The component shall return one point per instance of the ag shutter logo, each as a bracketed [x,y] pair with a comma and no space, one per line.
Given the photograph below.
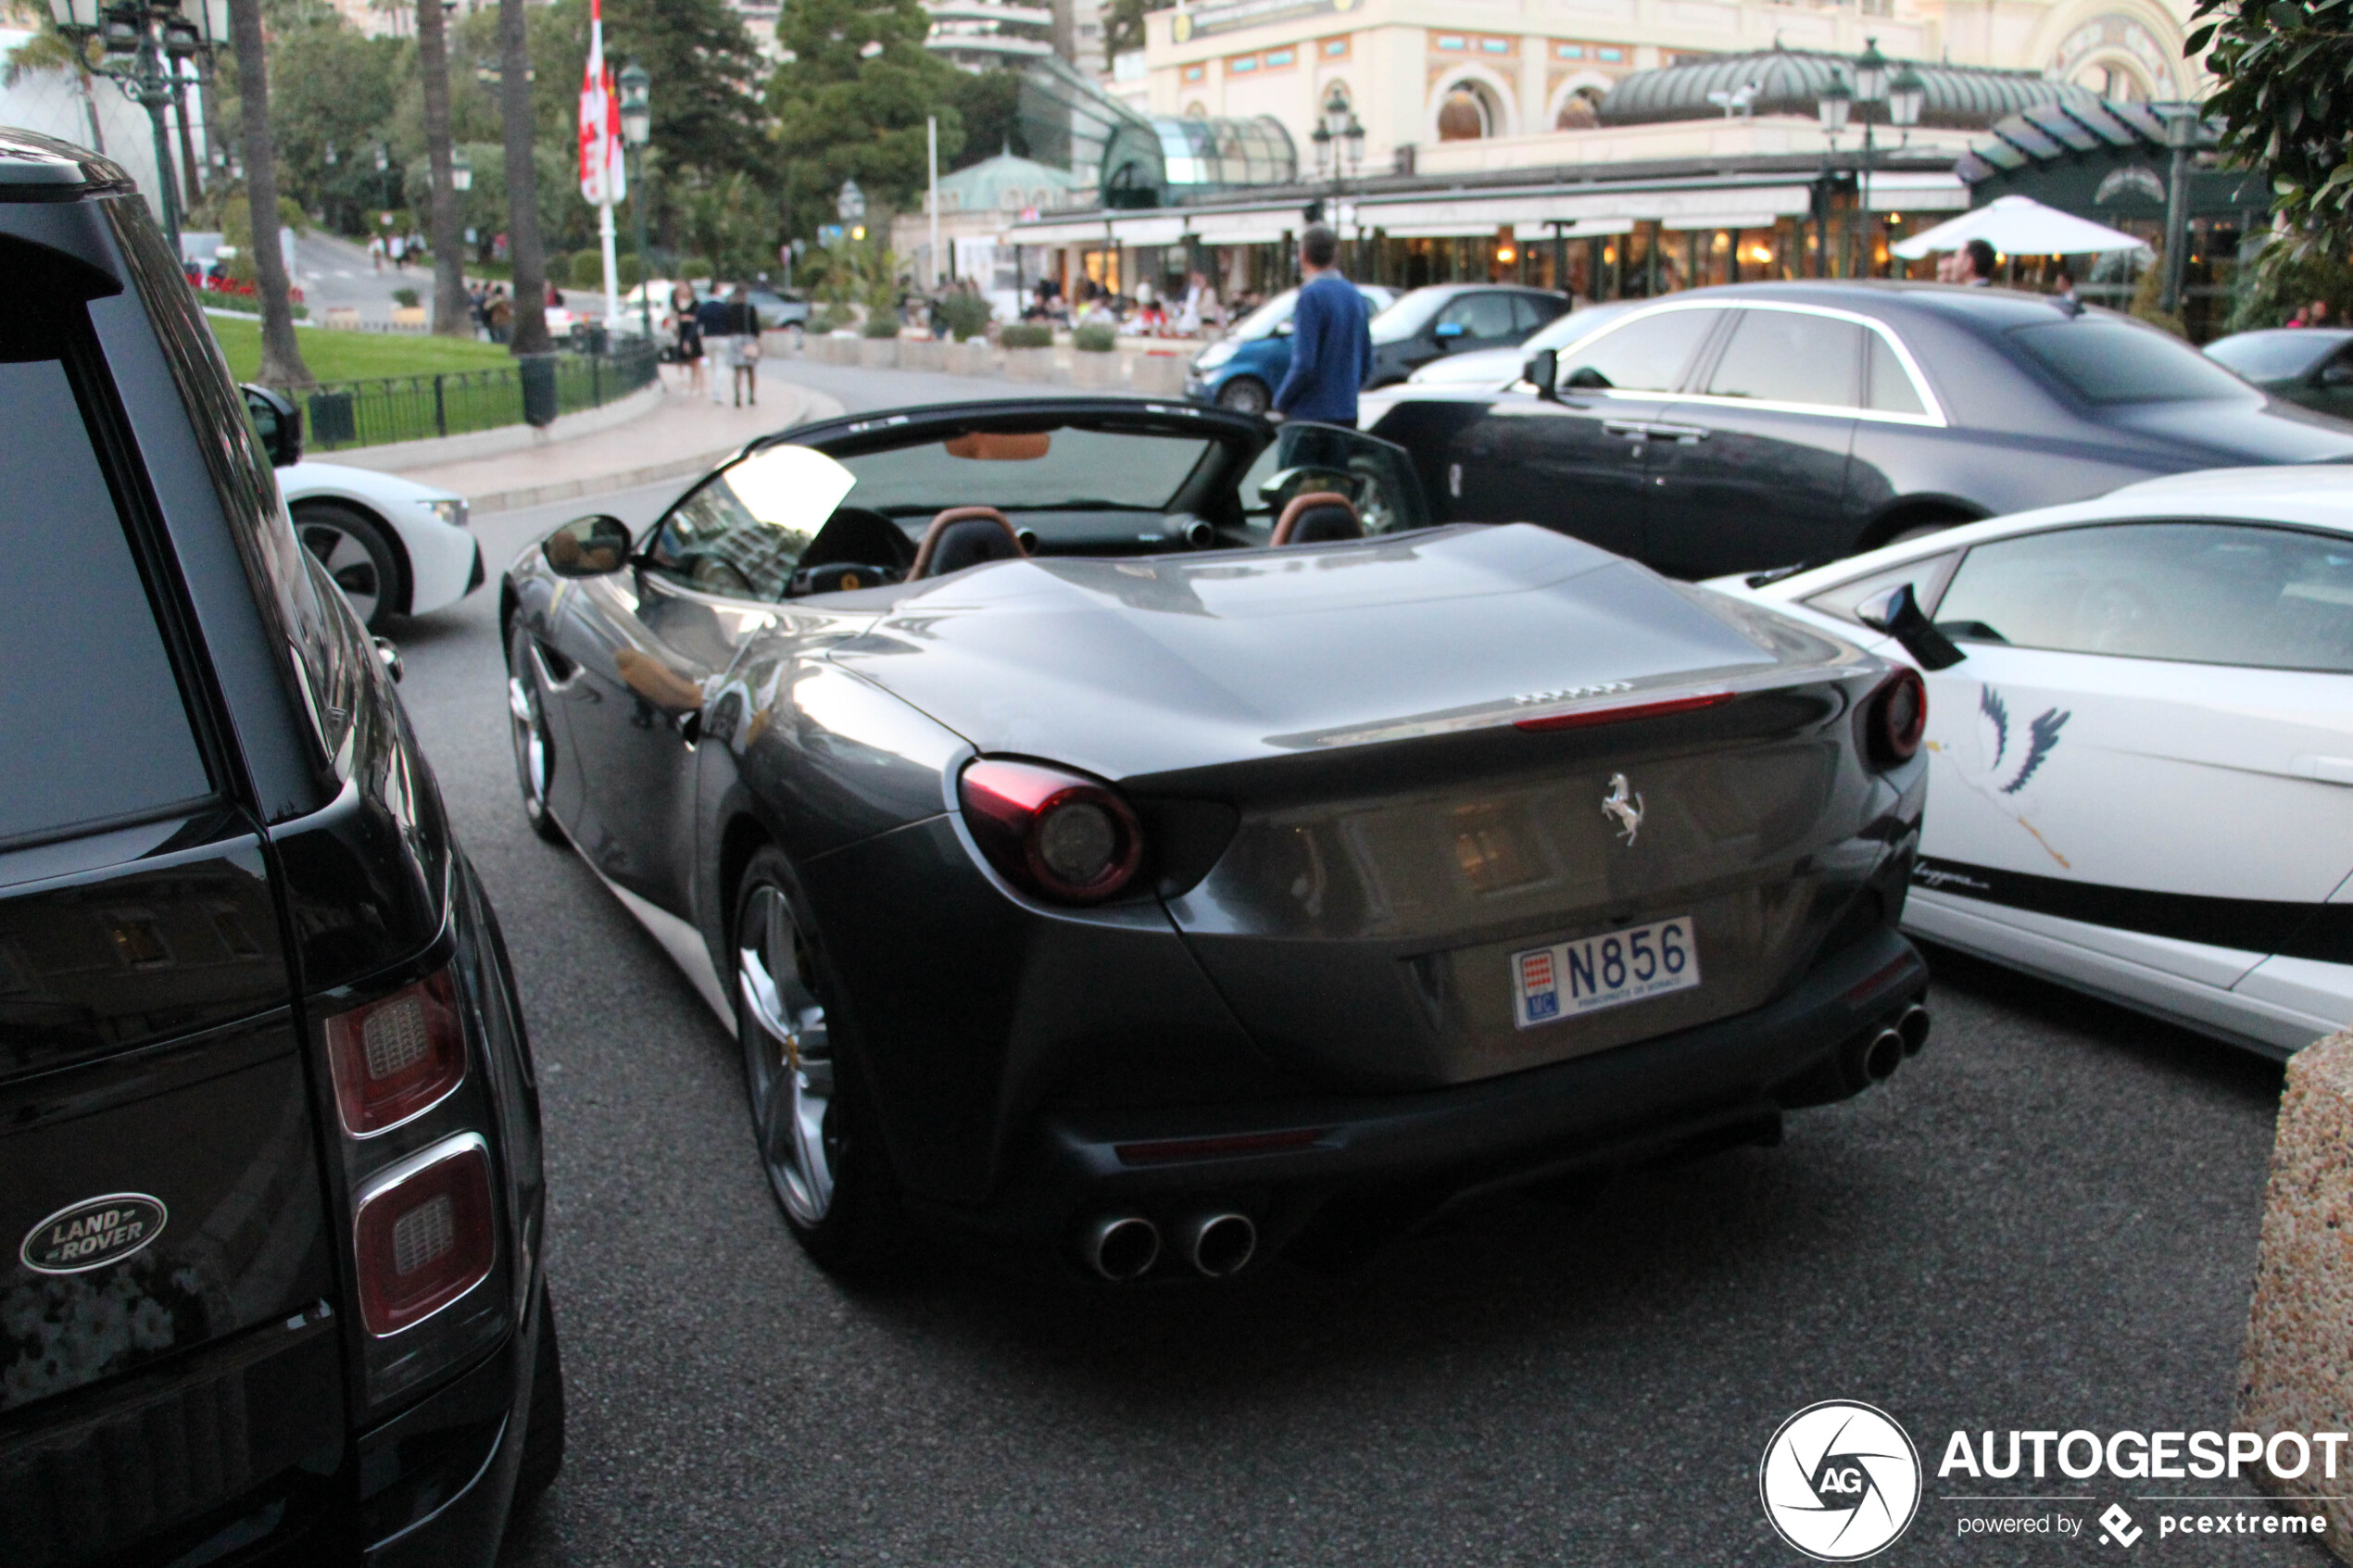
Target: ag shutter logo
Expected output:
[1840,1481]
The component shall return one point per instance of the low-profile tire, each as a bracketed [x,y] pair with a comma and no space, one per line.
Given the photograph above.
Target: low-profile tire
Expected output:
[1245,395]
[812,1124]
[534,741]
[543,1441]
[353,548]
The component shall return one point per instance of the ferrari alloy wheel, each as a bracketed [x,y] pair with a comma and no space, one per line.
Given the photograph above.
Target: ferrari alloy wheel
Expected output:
[822,1159]
[357,555]
[788,1061]
[535,749]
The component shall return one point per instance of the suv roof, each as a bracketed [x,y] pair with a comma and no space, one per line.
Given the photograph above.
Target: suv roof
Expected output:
[38,168]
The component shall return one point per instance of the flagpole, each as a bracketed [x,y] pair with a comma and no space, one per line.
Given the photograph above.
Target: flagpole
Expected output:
[603,181]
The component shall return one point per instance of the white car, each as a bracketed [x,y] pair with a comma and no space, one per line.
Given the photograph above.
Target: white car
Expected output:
[2141,777]
[393,545]
[1495,368]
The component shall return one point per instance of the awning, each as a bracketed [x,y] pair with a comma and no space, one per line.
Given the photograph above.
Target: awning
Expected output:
[1158,230]
[1583,229]
[1087,232]
[1247,228]
[1919,193]
[1688,207]
[1706,222]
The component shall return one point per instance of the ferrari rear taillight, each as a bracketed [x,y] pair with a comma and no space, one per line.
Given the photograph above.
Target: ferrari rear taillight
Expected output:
[426,1233]
[1060,834]
[1895,718]
[398,1055]
[1624,713]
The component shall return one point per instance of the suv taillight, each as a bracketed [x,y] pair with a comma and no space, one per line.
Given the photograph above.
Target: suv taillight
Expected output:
[1895,718]
[1060,834]
[397,1057]
[426,1233]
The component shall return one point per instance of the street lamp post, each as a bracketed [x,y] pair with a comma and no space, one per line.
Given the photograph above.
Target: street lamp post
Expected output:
[2181,141]
[1339,138]
[1870,87]
[146,43]
[636,130]
[1836,102]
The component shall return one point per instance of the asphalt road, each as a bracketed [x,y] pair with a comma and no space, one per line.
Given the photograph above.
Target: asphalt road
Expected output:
[2046,1221]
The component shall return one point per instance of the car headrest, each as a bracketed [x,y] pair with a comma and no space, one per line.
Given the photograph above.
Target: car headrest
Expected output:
[1317,518]
[963,536]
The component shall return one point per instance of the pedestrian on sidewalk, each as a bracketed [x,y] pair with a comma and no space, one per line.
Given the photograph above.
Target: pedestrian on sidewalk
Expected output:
[1332,342]
[711,317]
[376,250]
[743,346]
[689,329]
[500,315]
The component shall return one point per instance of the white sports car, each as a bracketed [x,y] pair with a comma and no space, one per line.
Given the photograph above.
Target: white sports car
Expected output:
[393,545]
[2141,737]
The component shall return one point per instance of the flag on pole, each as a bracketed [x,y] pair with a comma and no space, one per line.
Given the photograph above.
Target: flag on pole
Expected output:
[603,179]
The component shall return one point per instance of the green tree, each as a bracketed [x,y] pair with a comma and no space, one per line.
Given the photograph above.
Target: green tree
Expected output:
[332,95]
[850,101]
[281,355]
[989,104]
[2285,101]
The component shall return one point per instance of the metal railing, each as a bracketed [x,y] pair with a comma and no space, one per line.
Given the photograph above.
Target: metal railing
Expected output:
[534,390]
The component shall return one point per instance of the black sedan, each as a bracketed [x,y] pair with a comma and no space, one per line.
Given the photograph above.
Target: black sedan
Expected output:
[1729,428]
[2308,364]
[1430,323]
[1108,825]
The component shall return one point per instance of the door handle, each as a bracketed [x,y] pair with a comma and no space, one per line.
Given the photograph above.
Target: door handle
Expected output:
[1634,428]
[1678,432]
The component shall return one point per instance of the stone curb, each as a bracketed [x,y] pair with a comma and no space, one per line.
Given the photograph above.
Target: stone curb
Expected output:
[2295,1372]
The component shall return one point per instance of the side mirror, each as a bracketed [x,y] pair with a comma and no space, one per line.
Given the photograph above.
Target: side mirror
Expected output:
[1280,329]
[277,421]
[2336,373]
[1542,368]
[1898,614]
[1586,379]
[588,546]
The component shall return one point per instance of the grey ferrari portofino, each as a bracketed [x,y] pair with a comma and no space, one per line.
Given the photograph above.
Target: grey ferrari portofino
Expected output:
[1128,827]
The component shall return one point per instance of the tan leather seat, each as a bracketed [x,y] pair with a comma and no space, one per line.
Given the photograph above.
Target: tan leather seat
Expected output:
[963,536]
[1319,517]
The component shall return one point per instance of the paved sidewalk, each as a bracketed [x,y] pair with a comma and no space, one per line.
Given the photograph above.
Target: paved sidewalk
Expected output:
[683,435]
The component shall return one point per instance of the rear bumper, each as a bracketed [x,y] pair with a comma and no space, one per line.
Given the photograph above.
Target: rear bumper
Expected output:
[1727,1080]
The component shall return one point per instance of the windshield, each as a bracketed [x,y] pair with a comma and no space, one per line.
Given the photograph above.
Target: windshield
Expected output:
[1266,318]
[1063,469]
[2275,355]
[2111,361]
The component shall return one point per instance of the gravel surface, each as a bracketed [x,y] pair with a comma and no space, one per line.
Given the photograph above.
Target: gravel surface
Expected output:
[2046,1221]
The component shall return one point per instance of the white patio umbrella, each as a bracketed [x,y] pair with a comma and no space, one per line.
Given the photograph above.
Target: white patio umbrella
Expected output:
[2019,226]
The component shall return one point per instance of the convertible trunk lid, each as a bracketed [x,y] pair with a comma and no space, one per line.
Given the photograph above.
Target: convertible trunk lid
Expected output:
[1157,664]
[1415,742]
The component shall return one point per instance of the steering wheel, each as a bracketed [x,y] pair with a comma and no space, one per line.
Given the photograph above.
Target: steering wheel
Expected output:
[838,577]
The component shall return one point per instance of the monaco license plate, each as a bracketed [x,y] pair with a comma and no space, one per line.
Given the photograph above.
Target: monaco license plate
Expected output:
[1593,973]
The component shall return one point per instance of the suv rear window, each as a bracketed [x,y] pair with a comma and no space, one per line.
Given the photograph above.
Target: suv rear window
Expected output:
[92,724]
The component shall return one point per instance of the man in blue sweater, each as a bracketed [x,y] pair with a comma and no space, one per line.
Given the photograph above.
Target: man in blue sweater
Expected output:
[1331,348]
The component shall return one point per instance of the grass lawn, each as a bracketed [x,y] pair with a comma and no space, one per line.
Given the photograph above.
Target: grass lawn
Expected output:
[340,355]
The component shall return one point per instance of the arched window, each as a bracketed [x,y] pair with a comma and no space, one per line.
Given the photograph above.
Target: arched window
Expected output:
[1009,199]
[1464,115]
[1580,112]
[1196,110]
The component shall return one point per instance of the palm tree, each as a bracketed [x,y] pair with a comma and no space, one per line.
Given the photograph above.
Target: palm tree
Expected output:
[49,51]
[280,356]
[522,182]
[450,315]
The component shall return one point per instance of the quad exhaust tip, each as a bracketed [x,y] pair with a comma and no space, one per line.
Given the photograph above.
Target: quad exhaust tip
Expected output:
[1883,1056]
[1121,1247]
[1220,1244]
[1913,1025]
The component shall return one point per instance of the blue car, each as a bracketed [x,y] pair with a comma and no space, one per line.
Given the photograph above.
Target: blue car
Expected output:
[1243,369]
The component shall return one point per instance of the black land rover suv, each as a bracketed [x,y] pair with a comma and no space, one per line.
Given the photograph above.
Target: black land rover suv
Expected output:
[269,1160]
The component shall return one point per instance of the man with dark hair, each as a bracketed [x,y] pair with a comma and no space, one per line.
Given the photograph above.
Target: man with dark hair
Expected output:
[1331,348]
[1980,274]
